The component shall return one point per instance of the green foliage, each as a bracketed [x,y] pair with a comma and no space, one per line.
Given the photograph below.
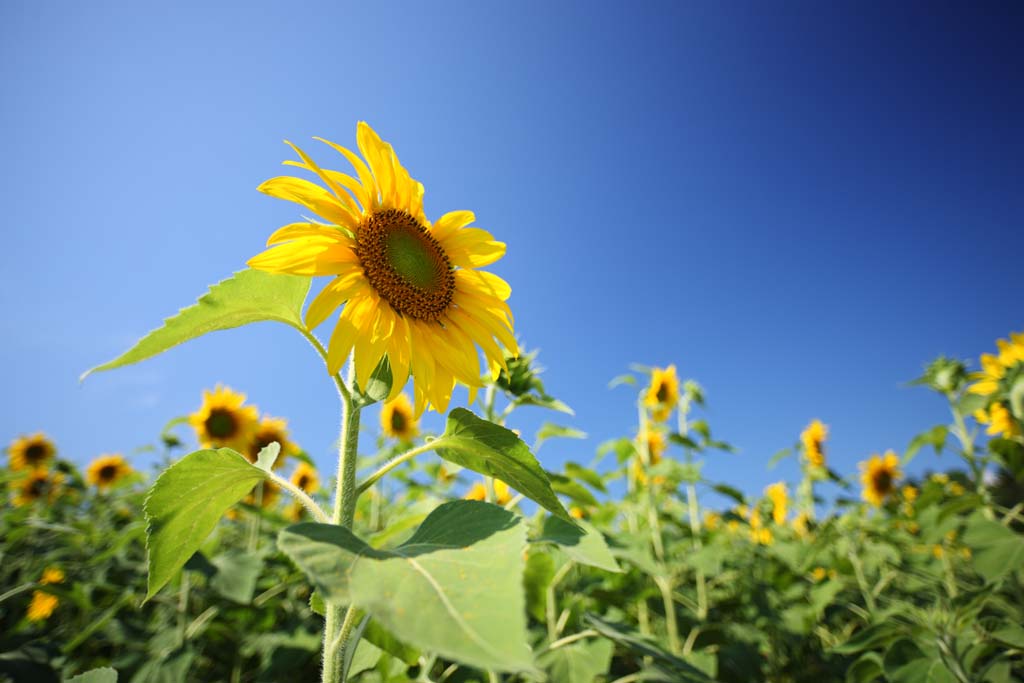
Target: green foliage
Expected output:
[185,504]
[455,587]
[497,452]
[248,296]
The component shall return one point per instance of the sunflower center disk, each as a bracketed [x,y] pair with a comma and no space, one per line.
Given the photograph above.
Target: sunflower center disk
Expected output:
[221,424]
[405,264]
[35,453]
[107,472]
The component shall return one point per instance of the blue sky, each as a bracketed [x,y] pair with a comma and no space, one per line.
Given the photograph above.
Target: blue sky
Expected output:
[799,205]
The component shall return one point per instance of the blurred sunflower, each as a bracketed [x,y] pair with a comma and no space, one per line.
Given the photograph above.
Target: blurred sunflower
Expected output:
[41,606]
[995,368]
[662,394]
[999,420]
[410,288]
[223,420]
[502,493]
[37,485]
[107,470]
[31,452]
[879,475]
[271,492]
[656,445]
[306,478]
[398,420]
[801,524]
[268,431]
[779,496]
[813,440]
[52,575]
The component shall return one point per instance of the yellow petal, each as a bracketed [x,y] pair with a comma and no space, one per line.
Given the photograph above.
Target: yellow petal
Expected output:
[310,256]
[296,230]
[345,333]
[342,179]
[373,150]
[312,196]
[450,222]
[338,291]
[484,282]
[476,255]
[341,194]
[362,170]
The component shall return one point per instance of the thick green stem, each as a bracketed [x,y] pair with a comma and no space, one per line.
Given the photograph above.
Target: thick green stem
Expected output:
[335,632]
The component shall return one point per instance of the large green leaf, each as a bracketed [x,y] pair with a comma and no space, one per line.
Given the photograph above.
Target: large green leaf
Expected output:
[497,452]
[996,550]
[248,296]
[102,675]
[642,646]
[454,588]
[185,503]
[582,543]
[580,662]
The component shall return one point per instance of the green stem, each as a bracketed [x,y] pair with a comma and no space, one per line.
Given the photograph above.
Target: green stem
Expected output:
[255,521]
[183,606]
[301,496]
[395,462]
[335,633]
[552,619]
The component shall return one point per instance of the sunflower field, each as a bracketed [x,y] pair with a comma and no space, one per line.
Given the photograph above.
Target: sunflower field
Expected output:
[463,555]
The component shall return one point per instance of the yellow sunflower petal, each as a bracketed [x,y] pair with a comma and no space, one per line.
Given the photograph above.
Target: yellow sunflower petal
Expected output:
[483,282]
[450,222]
[338,291]
[309,256]
[312,196]
[363,171]
[342,195]
[294,231]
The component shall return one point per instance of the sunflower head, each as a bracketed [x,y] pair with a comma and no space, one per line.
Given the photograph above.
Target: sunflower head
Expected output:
[502,493]
[306,478]
[41,606]
[37,485]
[52,575]
[107,470]
[801,524]
[1000,371]
[909,493]
[398,420]
[224,421]
[408,288]
[476,492]
[813,440]
[778,494]
[712,520]
[31,452]
[656,445]
[879,475]
[662,393]
[268,431]
[999,420]
[268,497]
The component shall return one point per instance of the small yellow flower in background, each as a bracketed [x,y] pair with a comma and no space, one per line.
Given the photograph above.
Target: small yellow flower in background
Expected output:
[956,489]
[938,551]
[577,512]
[37,485]
[913,527]
[224,421]
[994,367]
[41,606]
[502,493]
[712,520]
[999,419]
[879,475]
[800,524]
[779,496]
[52,575]
[410,289]
[733,525]
[31,452]
[965,553]
[907,509]
[940,478]
[813,440]
[662,394]
[951,535]
[295,512]
[268,431]
[909,493]
[107,470]
[762,536]
[398,420]
[271,492]
[819,574]
[306,478]
[656,445]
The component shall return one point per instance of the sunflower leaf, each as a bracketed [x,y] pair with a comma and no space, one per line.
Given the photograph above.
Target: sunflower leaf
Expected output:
[248,296]
[497,452]
[185,504]
[268,456]
[455,587]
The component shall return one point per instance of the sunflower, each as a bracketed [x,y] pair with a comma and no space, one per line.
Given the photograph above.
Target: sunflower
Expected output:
[801,524]
[656,445]
[879,475]
[397,419]
[269,430]
[38,484]
[999,370]
[223,420]
[910,493]
[306,478]
[502,493]
[999,420]
[31,452]
[813,440]
[779,496]
[271,492]
[51,575]
[410,288]
[712,520]
[41,606]
[107,470]
[662,394]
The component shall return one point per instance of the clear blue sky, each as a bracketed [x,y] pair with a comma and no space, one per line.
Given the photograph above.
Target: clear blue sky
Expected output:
[798,204]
